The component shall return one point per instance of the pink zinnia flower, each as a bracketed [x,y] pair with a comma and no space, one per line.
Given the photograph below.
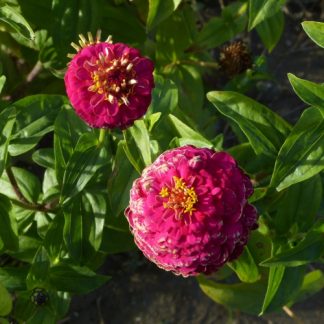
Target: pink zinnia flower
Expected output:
[109,85]
[189,212]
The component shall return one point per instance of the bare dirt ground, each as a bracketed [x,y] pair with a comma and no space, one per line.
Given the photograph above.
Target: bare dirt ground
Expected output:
[141,293]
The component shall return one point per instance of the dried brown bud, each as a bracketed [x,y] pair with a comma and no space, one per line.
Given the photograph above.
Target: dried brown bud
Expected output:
[235,58]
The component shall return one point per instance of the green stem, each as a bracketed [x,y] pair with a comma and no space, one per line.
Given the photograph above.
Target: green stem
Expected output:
[102,135]
[204,64]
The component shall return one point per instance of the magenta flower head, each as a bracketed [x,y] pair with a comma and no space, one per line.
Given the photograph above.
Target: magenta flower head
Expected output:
[189,212]
[109,85]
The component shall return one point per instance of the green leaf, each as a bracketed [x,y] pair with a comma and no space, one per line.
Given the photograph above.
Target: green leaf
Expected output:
[94,209]
[53,241]
[44,157]
[117,240]
[159,10]
[245,267]
[2,82]
[35,118]
[28,247]
[8,228]
[38,273]
[14,278]
[309,92]
[275,277]
[313,283]
[288,289]
[315,30]
[7,120]
[242,296]
[307,251]
[141,137]
[85,160]
[164,96]
[120,181]
[74,279]
[301,156]
[27,182]
[219,30]
[6,301]
[71,18]
[299,206]
[125,23]
[16,21]
[260,10]
[187,133]
[68,128]
[270,30]
[172,39]
[264,129]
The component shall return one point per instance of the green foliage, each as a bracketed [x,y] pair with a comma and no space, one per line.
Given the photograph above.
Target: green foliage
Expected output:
[64,186]
[314,30]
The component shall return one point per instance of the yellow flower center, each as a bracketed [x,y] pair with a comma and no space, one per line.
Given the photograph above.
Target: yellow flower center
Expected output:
[181,198]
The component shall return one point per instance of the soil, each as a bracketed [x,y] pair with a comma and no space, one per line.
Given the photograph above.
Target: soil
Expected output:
[141,293]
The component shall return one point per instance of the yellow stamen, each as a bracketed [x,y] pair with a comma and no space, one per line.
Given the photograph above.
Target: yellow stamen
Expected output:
[181,198]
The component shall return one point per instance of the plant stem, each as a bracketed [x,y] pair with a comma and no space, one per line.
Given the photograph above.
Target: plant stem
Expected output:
[102,136]
[292,315]
[33,73]
[205,64]
[22,201]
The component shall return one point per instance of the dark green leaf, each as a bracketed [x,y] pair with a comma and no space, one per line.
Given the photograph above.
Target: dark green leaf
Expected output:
[7,120]
[6,301]
[85,160]
[14,278]
[313,283]
[159,10]
[28,184]
[299,205]
[265,130]
[35,118]
[308,250]
[117,240]
[16,21]
[301,156]
[53,241]
[94,209]
[70,18]
[172,39]
[315,30]
[164,96]
[289,288]
[38,273]
[270,30]
[120,182]
[219,30]
[74,279]
[259,10]
[67,130]
[8,228]
[309,92]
